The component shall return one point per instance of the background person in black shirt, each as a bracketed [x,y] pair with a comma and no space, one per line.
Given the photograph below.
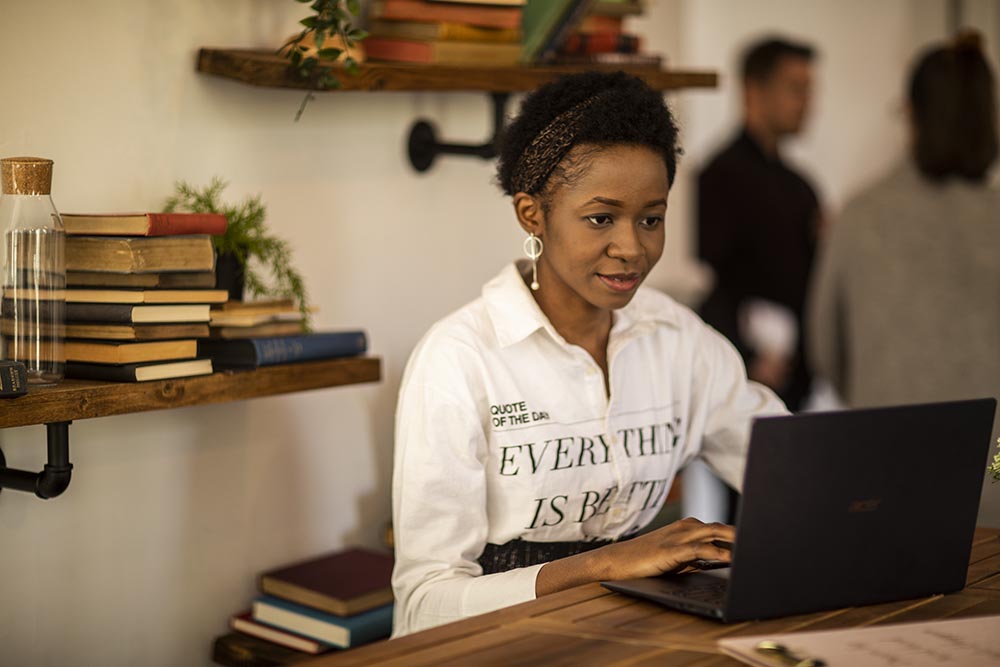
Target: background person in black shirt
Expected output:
[758,220]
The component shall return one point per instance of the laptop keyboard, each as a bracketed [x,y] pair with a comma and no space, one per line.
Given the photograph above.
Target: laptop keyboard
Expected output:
[713,593]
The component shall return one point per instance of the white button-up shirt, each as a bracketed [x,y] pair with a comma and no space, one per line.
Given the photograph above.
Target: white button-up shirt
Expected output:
[504,430]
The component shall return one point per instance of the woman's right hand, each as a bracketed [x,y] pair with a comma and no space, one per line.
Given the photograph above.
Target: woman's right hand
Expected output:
[666,549]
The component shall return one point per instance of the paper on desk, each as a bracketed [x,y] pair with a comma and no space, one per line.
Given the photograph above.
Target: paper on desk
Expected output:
[968,642]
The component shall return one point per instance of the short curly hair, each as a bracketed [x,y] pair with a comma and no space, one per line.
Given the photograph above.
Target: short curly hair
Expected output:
[609,108]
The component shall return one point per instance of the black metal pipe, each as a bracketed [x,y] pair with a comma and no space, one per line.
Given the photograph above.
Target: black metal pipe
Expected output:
[423,146]
[54,477]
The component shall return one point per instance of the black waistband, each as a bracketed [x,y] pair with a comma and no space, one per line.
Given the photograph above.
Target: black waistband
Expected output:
[521,553]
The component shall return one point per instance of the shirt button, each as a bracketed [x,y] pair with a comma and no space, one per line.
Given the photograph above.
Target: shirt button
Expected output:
[617,514]
[591,372]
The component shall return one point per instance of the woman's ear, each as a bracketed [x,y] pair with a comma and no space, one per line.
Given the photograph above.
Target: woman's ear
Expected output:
[529,213]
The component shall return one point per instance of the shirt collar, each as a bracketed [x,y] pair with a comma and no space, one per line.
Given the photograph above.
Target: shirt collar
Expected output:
[516,315]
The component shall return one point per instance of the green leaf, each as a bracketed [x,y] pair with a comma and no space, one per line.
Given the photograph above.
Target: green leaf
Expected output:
[353,6]
[320,37]
[357,34]
[309,21]
[330,54]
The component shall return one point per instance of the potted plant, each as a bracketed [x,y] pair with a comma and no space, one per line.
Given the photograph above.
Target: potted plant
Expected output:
[246,246]
[327,41]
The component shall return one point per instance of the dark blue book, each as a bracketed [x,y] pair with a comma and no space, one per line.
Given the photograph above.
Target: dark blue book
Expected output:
[256,352]
[343,631]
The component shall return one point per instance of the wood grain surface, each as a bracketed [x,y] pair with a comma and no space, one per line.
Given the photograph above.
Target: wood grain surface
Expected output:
[81,399]
[589,625]
[266,69]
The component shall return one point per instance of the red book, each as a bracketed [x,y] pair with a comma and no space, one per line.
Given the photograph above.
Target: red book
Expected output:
[143,224]
[583,44]
[344,583]
[442,52]
[247,625]
[434,12]
[598,23]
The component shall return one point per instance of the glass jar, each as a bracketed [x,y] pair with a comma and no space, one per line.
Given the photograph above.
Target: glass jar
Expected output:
[33,313]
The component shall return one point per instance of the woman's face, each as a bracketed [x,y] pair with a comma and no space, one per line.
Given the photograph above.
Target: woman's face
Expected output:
[603,231]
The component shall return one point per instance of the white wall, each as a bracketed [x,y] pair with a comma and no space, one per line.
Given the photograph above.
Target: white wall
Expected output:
[171,514]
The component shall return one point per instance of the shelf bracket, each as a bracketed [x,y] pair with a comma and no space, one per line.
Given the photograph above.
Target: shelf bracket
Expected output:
[423,146]
[54,478]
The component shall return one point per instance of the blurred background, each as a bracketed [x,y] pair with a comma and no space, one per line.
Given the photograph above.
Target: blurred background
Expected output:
[171,514]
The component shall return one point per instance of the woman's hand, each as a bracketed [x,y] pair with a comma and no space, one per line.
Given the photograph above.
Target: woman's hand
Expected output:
[669,549]
[666,549]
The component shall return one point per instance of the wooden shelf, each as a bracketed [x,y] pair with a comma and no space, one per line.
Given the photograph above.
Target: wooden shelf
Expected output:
[80,399]
[266,69]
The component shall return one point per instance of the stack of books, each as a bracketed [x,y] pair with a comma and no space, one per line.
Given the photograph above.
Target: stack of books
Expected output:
[601,39]
[139,290]
[337,600]
[457,32]
[256,319]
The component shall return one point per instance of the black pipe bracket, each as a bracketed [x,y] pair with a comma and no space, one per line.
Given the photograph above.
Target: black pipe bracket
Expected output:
[54,477]
[423,146]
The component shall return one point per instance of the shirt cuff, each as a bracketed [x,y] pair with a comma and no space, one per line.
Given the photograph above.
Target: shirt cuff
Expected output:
[503,589]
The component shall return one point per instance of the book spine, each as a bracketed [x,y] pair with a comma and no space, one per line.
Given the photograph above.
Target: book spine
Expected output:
[282,350]
[109,313]
[13,379]
[254,352]
[176,224]
[583,44]
[415,10]
[399,50]
[375,624]
[85,371]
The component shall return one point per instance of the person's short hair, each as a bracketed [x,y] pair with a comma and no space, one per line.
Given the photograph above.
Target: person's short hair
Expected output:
[597,109]
[953,102]
[761,59]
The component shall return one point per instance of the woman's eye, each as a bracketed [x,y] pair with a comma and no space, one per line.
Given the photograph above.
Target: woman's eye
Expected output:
[600,220]
[651,221]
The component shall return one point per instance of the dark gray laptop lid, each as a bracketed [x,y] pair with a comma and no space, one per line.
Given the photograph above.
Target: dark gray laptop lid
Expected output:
[857,507]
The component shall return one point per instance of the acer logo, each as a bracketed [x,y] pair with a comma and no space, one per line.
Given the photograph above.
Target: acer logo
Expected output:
[868,505]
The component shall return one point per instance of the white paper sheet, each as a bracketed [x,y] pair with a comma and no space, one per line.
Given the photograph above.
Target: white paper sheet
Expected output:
[968,642]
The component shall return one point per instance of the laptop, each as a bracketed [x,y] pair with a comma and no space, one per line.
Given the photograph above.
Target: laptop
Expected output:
[843,509]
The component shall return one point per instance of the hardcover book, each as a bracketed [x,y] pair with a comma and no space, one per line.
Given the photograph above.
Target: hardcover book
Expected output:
[125,313]
[244,623]
[138,372]
[422,10]
[344,582]
[442,52]
[102,331]
[139,254]
[143,224]
[547,24]
[187,280]
[265,330]
[342,631]
[255,352]
[91,295]
[129,353]
[236,649]
[460,32]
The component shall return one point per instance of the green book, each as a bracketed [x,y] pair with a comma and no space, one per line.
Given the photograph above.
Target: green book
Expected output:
[545,25]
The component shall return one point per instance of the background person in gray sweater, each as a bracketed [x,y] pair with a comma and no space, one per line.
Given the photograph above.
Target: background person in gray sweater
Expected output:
[905,303]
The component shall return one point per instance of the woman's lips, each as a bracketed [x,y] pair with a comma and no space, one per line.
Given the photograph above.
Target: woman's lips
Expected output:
[620,282]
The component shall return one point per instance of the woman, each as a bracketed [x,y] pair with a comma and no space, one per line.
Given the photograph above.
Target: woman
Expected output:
[906,299]
[545,421]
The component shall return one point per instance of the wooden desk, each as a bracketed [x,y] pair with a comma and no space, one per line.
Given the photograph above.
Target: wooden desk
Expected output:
[593,626]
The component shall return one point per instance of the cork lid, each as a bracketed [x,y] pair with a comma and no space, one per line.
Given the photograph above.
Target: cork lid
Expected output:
[26,175]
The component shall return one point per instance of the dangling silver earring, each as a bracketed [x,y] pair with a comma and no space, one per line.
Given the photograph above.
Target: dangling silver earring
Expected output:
[533,249]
